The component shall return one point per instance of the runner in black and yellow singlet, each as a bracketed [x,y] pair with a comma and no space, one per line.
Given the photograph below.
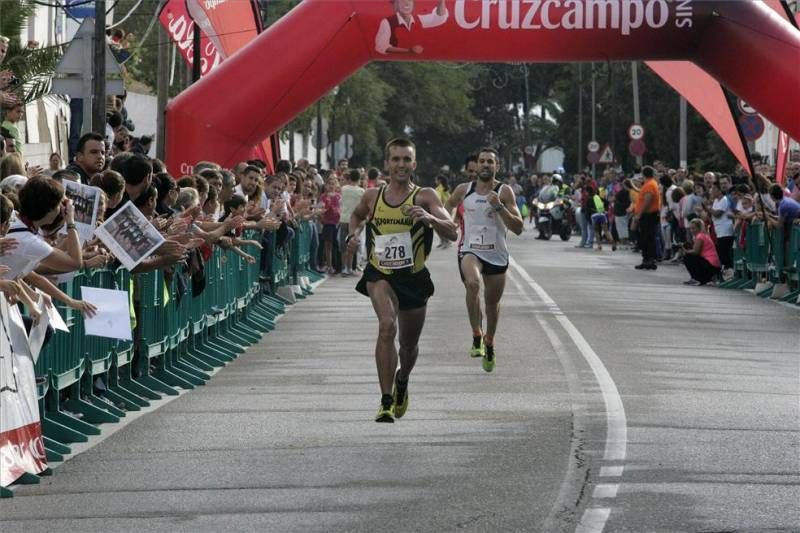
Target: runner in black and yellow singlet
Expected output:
[401,218]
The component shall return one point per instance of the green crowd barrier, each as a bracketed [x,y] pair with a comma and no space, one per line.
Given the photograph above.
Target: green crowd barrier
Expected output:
[290,265]
[179,338]
[301,259]
[767,261]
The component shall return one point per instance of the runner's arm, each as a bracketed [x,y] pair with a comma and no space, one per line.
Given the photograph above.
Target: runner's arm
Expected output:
[357,218]
[455,198]
[509,213]
[436,215]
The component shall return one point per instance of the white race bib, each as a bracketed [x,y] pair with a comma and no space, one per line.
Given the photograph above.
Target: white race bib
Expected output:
[482,238]
[394,251]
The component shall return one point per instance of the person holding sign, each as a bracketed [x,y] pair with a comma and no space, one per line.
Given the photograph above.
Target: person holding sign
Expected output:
[490,208]
[401,217]
[41,201]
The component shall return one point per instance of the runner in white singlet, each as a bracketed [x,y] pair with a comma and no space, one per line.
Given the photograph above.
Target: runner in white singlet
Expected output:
[489,210]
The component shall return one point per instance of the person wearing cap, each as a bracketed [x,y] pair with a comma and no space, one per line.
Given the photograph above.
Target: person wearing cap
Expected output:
[13,183]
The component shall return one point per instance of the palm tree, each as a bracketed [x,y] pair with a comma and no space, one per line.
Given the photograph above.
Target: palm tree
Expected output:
[33,67]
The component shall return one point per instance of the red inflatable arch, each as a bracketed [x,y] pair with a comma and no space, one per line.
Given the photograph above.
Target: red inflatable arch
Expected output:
[745,45]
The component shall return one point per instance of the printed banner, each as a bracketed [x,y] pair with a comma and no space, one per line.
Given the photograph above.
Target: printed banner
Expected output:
[129,236]
[86,200]
[21,443]
[180,27]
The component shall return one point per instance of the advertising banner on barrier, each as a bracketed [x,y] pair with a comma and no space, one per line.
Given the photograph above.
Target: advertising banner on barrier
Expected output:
[179,25]
[21,443]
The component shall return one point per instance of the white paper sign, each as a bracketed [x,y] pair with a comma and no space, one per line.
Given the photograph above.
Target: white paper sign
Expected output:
[16,330]
[86,201]
[55,319]
[129,236]
[112,319]
[38,332]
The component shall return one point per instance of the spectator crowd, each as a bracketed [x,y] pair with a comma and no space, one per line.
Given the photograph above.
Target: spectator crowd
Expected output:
[667,215]
[41,247]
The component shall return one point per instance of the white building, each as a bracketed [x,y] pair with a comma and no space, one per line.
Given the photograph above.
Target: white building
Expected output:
[45,127]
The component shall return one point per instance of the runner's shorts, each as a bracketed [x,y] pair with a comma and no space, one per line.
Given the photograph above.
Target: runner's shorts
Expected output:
[487,269]
[412,290]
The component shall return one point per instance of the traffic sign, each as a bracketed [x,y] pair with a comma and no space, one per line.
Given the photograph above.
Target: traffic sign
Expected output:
[752,127]
[746,108]
[607,155]
[637,148]
[636,132]
[593,146]
[593,157]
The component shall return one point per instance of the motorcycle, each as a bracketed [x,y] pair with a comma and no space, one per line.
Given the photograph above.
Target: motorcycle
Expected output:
[554,218]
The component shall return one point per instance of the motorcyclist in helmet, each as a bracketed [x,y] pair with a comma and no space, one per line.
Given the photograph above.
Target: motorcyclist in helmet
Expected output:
[549,191]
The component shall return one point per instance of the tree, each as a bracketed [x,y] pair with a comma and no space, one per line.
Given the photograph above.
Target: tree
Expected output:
[659,114]
[33,67]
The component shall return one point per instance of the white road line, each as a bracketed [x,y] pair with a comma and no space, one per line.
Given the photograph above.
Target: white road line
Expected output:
[593,521]
[616,422]
[611,471]
[605,490]
[565,497]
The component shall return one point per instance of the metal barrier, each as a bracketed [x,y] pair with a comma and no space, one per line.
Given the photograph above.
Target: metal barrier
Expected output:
[179,338]
[768,263]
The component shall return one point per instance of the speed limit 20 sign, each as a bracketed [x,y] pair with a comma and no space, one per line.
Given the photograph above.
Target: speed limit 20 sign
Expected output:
[636,132]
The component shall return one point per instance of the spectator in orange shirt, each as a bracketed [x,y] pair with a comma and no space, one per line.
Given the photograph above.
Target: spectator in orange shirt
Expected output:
[646,218]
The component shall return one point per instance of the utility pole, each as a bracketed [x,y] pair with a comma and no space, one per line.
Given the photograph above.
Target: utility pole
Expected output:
[527,109]
[99,75]
[319,133]
[683,148]
[594,117]
[162,81]
[613,91]
[636,116]
[196,54]
[579,158]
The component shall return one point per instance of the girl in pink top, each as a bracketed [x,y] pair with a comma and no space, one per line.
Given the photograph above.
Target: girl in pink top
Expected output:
[331,203]
[701,257]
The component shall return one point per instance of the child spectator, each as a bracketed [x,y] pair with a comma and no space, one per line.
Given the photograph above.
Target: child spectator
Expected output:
[331,201]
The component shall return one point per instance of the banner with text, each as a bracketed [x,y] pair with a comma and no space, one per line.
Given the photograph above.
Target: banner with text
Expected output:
[179,25]
[21,443]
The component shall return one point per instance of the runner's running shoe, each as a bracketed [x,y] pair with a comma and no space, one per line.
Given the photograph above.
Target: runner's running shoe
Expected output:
[385,413]
[400,398]
[478,348]
[488,359]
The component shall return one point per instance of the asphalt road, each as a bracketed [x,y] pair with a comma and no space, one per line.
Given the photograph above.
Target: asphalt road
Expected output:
[622,401]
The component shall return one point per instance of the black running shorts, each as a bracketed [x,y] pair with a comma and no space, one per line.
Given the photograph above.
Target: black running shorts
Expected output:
[487,269]
[412,290]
